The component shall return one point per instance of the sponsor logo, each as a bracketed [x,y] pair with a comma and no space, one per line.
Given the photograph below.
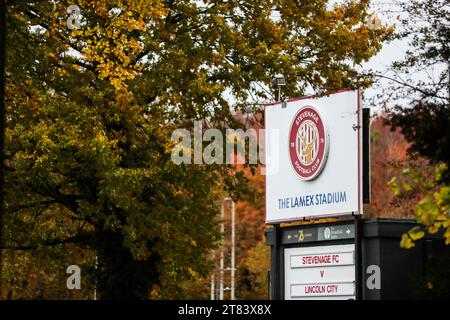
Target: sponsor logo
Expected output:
[327,233]
[301,235]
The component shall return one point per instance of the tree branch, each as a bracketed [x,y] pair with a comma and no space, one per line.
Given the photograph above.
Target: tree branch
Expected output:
[81,238]
[30,205]
[426,93]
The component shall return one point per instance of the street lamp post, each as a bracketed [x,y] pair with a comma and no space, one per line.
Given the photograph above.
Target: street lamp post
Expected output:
[277,83]
[233,249]
[221,265]
[232,267]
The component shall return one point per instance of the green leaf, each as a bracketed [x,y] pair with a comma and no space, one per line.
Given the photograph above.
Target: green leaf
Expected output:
[407,186]
[427,211]
[394,186]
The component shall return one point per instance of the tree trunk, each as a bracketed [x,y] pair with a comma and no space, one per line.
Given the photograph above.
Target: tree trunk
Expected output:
[119,276]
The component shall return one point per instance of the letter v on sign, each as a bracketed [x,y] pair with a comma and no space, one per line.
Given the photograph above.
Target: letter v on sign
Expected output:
[321,273]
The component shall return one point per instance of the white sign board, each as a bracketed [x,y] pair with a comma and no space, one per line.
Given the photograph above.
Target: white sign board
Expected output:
[313,157]
[324,259]
[325,272]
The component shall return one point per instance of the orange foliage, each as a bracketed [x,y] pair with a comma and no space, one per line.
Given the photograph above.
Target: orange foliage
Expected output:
[389,157]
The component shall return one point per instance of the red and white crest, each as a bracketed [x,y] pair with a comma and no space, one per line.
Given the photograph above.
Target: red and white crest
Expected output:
[308,143]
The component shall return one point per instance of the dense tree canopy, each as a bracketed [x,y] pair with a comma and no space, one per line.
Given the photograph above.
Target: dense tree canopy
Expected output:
[90,113]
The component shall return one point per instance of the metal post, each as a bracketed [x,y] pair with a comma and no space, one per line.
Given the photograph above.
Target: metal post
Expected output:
[275,269]
[222,230]
[359,285]
[448,79]
[233,248]
[366,154]
[96,276]
[213,285]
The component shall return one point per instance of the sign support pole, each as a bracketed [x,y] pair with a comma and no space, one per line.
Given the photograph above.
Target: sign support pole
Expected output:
[359,285]
[275,269]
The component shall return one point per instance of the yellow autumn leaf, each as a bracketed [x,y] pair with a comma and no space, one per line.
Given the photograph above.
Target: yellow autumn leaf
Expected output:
[416,234]
[447,236]
[406,242]
[434,228]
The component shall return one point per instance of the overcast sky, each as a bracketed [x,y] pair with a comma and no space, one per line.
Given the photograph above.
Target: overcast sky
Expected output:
[388,11]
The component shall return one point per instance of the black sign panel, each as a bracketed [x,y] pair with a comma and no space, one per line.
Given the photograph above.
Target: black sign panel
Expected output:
[313,233]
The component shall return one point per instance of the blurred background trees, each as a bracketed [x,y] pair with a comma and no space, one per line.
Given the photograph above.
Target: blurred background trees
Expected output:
[90,113]
[416,97]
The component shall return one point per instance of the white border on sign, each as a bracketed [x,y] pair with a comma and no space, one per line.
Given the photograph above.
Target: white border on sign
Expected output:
[359,155]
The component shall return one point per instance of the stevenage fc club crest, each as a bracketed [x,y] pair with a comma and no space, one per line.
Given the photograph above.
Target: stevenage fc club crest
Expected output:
[308,143]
